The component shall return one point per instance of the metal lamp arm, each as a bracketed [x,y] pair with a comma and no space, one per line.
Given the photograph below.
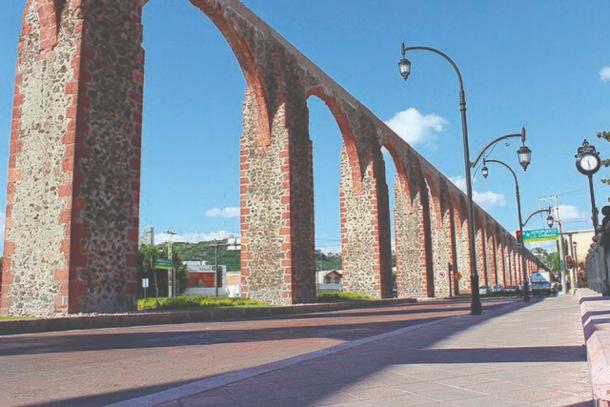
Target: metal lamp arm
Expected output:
[535,213]
[475,162]
[442,54]
[507,167]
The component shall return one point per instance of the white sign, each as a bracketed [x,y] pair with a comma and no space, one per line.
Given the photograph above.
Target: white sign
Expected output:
[144,283]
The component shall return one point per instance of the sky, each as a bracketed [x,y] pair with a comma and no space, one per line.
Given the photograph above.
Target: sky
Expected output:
[544,65]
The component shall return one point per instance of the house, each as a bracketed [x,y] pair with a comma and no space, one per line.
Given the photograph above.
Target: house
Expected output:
[329,280]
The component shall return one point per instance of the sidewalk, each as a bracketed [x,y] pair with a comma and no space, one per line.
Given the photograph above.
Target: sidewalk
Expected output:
[515,356]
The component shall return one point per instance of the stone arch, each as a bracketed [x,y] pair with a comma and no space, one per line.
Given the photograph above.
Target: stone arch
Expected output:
[347,132]
[411,226]
[248,63]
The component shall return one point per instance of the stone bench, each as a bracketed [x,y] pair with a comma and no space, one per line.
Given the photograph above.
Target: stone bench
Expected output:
[595,315]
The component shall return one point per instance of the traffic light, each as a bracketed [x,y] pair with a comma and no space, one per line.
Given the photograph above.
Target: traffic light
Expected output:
[519,237]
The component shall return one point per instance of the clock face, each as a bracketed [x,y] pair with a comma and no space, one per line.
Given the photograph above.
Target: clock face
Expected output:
[588,163]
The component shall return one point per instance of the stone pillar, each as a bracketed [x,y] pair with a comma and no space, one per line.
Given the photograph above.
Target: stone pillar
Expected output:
[502,262]
[365,228]
[463,256]
[440,225]
[277,223]
[71,239]
[412,239]
[455,284]
[481,254]
[490,255]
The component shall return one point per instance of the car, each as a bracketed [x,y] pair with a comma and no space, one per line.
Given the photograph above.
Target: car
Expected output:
[484,290]
[511,289]
[497,289]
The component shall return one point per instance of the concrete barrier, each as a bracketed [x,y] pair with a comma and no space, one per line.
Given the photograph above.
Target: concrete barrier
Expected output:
[595,315]
[179,317]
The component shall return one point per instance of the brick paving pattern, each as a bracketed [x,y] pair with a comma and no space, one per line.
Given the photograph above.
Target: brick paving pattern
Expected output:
[531,356]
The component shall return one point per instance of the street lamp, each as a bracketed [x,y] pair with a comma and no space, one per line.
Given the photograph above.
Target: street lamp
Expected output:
[524,154]
[526,296]
[588,163]
[404,66]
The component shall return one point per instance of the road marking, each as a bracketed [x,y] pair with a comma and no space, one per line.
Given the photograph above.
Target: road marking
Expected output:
[199,386]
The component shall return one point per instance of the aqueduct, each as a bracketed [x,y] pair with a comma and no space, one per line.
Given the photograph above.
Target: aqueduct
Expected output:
[71,237]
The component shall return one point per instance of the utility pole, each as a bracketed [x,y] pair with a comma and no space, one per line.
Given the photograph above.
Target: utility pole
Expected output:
[171,278]
[553,200]
[232,243]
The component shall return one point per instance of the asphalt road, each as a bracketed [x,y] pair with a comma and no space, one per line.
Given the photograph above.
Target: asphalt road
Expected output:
[96,367]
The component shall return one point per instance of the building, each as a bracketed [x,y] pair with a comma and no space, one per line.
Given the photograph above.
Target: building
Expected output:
[200,278]
[329,280]
[148,236]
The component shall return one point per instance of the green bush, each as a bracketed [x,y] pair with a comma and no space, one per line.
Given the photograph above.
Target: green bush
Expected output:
[341,296]
[194,302]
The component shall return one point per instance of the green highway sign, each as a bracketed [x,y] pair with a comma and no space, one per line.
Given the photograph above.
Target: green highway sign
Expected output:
[540,235]
[163,264]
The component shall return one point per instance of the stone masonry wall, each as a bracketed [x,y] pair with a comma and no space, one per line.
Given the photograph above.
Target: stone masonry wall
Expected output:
[463,251]
[106,190]
[363,270]
[441,255]
[490,246]
[35,278]
[410,235]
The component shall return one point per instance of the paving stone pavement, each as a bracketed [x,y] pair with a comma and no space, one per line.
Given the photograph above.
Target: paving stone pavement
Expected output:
[517,356]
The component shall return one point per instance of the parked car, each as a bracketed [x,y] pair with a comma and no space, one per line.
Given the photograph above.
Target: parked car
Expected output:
[497,289]
[511,289]
[484,290]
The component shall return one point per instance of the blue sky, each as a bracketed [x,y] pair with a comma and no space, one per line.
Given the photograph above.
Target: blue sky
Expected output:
[539,64]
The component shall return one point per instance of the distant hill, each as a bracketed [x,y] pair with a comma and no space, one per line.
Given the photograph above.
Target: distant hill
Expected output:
[202,251]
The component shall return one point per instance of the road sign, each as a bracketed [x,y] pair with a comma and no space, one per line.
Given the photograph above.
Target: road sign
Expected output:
[458,276]
[144,283]
[163,264]
[540,235]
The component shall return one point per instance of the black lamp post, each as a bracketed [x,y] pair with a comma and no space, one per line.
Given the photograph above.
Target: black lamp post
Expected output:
[588,163]
[404,66]
[524,161]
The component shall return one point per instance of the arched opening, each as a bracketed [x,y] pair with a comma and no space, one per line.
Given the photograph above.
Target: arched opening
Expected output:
[396,191]
[192,123]
[327,142]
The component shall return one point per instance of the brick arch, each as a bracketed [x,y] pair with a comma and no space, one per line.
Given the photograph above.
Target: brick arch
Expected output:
[248,63]
[434,189]
[345,127]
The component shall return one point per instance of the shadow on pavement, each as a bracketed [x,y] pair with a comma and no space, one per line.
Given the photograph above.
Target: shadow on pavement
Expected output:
[366,366]
[95,341]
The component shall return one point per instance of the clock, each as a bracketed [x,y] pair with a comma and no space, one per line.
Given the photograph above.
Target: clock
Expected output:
[587,161]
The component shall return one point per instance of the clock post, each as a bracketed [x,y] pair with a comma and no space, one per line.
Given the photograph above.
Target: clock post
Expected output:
[588,163]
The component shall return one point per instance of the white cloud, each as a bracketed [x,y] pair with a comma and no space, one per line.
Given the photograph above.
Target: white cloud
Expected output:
[486,199]
[193,237]
[604,74]
[227,212]
[570,213]
[415,127]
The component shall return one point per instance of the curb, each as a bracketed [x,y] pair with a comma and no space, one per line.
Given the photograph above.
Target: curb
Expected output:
[595,317]
[180,317]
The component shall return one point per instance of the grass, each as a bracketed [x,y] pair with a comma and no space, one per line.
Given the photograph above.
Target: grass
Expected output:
[194,302]
[10,318]
[341,296]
